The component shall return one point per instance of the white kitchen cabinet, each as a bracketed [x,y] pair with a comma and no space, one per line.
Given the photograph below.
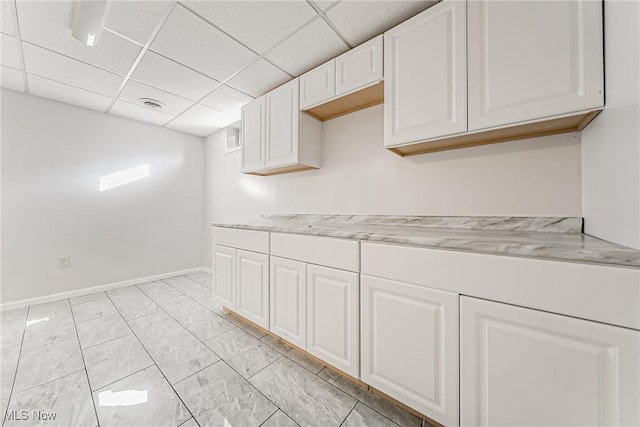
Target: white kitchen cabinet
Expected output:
[409,345]
[318,85]
[253,287]
[530,60]
[253,136]
[525,367]
[426,75]
[224,276]
[360,67]
[333,317]
[288,300]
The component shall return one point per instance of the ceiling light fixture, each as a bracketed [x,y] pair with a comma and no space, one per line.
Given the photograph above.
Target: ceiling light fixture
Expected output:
[88,20]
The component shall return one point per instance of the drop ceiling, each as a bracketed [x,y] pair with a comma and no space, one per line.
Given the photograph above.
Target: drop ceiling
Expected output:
[201,59]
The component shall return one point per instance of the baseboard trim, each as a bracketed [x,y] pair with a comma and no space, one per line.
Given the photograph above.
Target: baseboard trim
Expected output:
[100,288]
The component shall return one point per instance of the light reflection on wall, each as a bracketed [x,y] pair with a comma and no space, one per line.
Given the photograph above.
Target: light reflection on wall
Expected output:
[253,187]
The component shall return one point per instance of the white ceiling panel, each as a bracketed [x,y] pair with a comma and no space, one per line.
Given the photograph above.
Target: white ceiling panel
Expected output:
[259,78]
[5,18]
[200,120]
[9,52]
[294,55]
[259,25]
[360,21]
[197,44]
[50,89]
[326,4]
[48,24]
[136,112]
[173,104]
[11,79]
[135,19]
[53,66]
[228,100]
[162,73]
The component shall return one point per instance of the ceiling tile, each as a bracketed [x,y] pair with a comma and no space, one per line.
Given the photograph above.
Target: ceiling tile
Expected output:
[5,18]
[259,78]
[48,24]
[46,88]
[136,112]
[294,55]
[227,100]
[9,52]
[360,21]
[326,4]
[193,42]
[173,104]
[49,64]
[165,74]
[11,79]
[135,19]
[200,120]
[258,24]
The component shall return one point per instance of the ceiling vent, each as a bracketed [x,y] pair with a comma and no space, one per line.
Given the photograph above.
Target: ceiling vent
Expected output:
[154,104]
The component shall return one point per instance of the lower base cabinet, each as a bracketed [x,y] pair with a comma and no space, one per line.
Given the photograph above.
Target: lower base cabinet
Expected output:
[224,276]
[410,345]
[526,367]
[288,300]
[252,297]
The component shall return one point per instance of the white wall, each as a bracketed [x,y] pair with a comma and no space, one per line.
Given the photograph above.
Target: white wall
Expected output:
[611,143]
[531,177]
[53,156]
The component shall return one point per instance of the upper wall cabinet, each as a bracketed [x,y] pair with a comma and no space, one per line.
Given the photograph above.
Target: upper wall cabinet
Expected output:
[360,67]
[253,131]
[318,85]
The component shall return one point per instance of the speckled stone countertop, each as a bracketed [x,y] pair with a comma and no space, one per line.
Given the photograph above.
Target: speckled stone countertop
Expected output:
[549,238]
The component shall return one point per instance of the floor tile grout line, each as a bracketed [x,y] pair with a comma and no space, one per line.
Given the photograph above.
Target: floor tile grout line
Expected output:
[15,374]
[347,416]
[48,382]
[105,342]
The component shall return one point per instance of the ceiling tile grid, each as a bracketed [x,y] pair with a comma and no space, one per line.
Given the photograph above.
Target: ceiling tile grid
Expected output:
[50,89]
[5,18]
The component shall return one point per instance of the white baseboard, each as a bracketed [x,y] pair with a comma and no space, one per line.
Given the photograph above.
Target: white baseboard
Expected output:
[94,289]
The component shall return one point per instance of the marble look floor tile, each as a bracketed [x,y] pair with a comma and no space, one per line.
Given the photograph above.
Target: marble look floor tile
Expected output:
[189,287]
[191,422]
[39,311]
[218,395]
[254,330]
[154,327]
[363,416]
[9,354]
[93,309]
[12,324]
[142,399]
[68,397]
[49,329]
[4,403]
[83,299]
[102,329]
[47,363]
[279,419]
[181,355]
[179,306]
[307,399]
[204,324]
[159,291]
[114,360]
[205,279]
[211,305]
[6,382]
[136,307]
[124,294]
[369,398]
[293,353]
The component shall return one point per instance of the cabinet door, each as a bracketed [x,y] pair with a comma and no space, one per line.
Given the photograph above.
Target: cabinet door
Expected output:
[283,124]
[253,287]
[533,59]
[318,85]
[333,317]
[425,88]
[288,300]
[410,345]
[359,67]
[526,367]
[224,276]
[253,136]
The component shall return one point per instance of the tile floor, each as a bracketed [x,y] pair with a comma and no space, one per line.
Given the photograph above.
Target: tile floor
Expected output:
[162,354]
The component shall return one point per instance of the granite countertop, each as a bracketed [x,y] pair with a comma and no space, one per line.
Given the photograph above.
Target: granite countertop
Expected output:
[559,239]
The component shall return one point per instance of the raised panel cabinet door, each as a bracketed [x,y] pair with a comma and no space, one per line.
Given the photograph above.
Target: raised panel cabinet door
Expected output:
[425,66]
[318,85]
[333,317]
[224,276]
[533,59]
[410,345]
[360,67]
[253,287]
[525,367]
[283,125]
[253,136]
[288,300]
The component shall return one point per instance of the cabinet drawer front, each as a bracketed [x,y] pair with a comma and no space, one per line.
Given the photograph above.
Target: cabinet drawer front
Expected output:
[360,67]
[224,276]
[337,253]
[249,240]
[288,300]
[410,345]
[253,287]
[526,367]
[318,85]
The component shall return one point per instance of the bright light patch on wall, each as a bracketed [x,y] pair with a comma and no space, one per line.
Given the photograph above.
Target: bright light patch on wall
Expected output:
[122,398]
[126,176]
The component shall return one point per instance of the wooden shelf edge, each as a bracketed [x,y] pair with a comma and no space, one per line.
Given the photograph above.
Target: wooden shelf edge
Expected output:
[284,169]
[350,103]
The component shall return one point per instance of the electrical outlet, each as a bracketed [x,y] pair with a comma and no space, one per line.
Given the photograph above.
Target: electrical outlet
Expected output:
[64,262]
